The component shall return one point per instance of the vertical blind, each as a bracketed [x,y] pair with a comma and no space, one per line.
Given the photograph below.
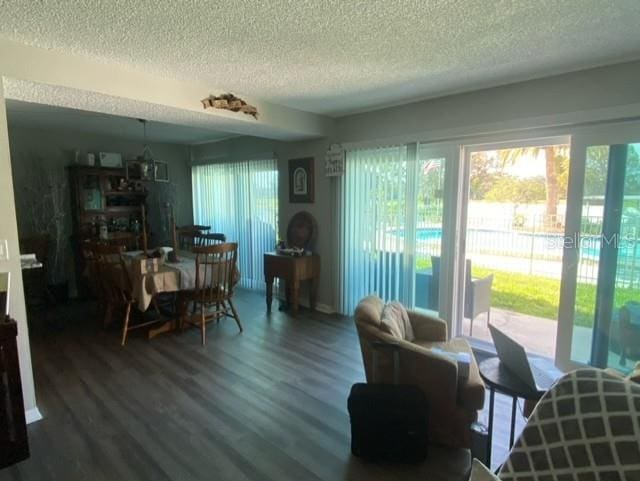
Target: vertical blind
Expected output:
[240,200]
[374,213]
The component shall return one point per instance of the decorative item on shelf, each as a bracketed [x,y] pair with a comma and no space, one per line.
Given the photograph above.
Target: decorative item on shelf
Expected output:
[291,251]
[229,102]
[110,159]
[302,231]
[334,161]
[301,181]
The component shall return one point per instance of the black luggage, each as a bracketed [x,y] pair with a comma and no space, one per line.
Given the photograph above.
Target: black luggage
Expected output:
[388,421]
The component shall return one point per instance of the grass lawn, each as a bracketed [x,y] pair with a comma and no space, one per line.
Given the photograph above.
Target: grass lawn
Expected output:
[540,296]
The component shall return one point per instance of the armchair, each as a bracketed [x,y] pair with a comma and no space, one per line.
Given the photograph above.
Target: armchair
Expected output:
[453,402]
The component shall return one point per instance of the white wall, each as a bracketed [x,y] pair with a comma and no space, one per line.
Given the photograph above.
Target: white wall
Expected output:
[9,231]
[55,148]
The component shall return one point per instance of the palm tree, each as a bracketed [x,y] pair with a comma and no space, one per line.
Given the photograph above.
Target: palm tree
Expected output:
[552,154]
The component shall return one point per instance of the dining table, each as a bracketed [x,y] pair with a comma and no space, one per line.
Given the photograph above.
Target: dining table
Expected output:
[164,277]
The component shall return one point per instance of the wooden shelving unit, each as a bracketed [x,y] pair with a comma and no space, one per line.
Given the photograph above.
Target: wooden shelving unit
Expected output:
[102,195]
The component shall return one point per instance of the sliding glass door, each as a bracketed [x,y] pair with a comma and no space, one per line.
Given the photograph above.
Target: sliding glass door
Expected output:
[240,200]
[550,224]
[374,223]
[511,266]
[393,208]
[606,321]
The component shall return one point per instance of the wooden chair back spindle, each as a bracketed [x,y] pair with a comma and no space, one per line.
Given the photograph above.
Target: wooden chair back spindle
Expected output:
[203,240]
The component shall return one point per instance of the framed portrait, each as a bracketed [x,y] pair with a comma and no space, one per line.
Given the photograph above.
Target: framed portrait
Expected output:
[301,181]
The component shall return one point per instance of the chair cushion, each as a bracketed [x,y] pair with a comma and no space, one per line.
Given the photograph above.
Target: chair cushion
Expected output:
[470,390]
[395,321]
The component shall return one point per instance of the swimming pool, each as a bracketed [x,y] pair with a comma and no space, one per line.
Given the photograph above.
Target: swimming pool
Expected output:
[517,243]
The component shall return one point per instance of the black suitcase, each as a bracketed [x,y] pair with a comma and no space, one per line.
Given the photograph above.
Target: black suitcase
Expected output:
[388,421]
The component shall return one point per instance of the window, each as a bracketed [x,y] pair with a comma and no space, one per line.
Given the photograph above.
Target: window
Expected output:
[240,200]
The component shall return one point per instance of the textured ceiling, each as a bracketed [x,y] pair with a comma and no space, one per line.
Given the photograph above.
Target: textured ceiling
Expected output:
[25,114]
[336,56]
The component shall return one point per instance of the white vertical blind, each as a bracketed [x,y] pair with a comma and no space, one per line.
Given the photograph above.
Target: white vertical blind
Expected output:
[240,200]
[374,214]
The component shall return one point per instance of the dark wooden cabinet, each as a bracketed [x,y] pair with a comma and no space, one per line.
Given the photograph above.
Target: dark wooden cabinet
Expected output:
[292,270]
[104,196]
[14,446]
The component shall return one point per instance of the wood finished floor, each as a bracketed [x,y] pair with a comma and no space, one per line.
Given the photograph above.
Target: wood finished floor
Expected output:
[268,404]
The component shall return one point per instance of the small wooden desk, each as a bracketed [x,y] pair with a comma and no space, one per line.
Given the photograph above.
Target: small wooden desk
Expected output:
[292,270]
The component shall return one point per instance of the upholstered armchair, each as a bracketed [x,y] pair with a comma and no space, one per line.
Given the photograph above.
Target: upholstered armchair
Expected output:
[453,400]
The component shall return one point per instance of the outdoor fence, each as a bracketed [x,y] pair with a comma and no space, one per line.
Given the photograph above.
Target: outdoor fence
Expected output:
[535,246]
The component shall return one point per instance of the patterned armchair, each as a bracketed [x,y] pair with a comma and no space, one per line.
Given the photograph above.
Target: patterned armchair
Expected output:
[587,427]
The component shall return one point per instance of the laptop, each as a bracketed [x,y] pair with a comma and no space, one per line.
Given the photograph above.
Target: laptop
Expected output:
[535,372]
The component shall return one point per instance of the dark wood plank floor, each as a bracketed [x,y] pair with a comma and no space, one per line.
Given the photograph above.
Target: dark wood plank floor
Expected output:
[268,404]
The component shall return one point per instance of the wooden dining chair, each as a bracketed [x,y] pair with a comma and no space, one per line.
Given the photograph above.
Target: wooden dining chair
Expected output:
[115,286]
[203,240]
[187,233]
[90,275]
[215,268]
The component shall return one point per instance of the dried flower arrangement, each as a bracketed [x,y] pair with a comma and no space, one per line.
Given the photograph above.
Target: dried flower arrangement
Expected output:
[229,102]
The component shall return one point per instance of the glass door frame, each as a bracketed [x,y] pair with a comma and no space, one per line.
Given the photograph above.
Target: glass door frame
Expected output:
[537,139]
[582,138]
[447,293]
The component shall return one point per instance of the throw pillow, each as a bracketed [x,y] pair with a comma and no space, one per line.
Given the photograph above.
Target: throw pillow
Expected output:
[479,472]
[389,322]
[406,326]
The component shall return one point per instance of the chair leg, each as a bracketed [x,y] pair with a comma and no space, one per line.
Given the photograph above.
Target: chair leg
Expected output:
[471,327]
[235,314]
[125,328]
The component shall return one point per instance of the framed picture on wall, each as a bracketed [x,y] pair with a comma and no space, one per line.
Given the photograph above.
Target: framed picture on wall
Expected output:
[301,181]
[161,173]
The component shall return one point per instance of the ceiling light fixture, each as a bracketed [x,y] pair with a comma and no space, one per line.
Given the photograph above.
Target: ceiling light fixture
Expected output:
[147,161]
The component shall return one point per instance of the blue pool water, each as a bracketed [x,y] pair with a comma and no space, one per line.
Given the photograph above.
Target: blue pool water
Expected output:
[508,242]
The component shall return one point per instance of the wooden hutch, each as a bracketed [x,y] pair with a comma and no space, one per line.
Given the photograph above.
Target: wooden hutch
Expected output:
[104,197]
